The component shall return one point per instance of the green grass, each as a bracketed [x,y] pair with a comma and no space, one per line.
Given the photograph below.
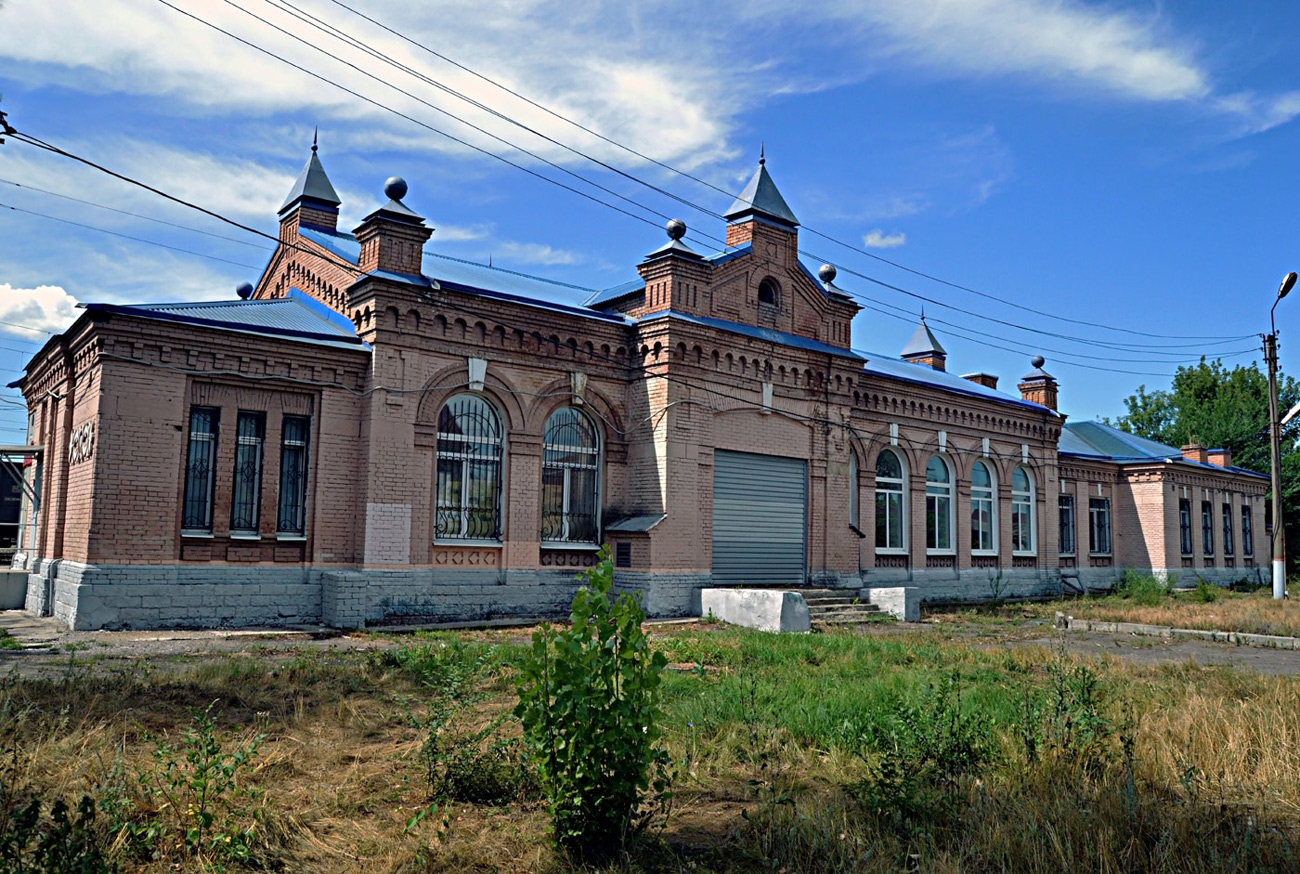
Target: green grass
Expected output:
[8,641]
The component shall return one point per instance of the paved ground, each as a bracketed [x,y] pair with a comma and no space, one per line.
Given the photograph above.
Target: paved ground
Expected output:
[47,645]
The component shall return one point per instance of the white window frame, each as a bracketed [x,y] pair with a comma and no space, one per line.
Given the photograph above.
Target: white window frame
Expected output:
[942,495]
[901,495]
[591,460]
[986,496]
[1022,501]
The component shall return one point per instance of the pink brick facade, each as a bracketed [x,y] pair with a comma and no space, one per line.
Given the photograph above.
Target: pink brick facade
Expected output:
[743,352]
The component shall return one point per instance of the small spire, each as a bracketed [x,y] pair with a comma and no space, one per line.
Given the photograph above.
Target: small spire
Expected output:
[762,153]
[315,134]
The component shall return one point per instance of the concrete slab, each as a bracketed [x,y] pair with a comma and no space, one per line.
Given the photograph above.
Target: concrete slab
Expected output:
[764,609]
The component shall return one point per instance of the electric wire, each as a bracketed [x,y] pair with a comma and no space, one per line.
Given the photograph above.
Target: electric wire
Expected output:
[716,188]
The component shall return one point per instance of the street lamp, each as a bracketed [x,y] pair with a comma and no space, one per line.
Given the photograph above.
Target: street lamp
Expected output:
[1275,433]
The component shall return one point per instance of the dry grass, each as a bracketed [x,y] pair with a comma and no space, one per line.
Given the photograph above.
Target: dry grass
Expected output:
[1200,770]
[1253,612]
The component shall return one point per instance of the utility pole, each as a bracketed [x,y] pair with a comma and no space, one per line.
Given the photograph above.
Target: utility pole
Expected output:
[1275,435]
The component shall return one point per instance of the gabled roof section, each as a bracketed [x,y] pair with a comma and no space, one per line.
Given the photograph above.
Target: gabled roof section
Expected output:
[760,197]
[297,316]
[1097,440]
[923,342]
[906,371]
[312,185]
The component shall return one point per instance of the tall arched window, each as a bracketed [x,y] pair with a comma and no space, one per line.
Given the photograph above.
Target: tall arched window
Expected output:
[469,470]
[938,505]
[570,479]
[853,487]
[1022,512]
[983,510]
[890,515]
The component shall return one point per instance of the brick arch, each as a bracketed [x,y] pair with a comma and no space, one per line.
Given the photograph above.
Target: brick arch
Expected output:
[603,410]
[454,379]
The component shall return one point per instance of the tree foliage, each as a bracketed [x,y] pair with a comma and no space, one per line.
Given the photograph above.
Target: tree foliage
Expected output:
[1225,409]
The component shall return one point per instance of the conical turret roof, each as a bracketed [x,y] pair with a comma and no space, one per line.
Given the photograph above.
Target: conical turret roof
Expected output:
[312,185]
[761,198]
[923,343]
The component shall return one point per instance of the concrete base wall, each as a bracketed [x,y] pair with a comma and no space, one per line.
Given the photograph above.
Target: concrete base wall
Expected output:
[764,609]
[903,602]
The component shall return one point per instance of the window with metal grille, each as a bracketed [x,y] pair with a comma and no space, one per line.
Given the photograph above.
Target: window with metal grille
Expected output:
[294,437]
[1247,533]
[570,479]
[1207,528]
[468,505]
[1065,510]
[246,493]
[938,506]
[1022,512]
[196,514]
[890,525]
[1185,526]
[1228,547]
[1099,526]
[983,521]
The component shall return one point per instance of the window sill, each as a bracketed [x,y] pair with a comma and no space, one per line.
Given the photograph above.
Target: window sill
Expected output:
[984,553]
[292,538]
[198,535]
[946,552]
[1066,555]
[1099,555]
[1024,553]
[496,544]
[572,547]
[242,535]
[890,550]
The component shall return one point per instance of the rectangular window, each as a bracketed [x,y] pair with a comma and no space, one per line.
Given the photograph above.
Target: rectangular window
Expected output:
[1247,533]
[853,488]
[1227,529]
[1207,529]
[293,475]
[1065,508]
[938,513]
[1185,526]
[196,515]
[1099,526]
[246,494]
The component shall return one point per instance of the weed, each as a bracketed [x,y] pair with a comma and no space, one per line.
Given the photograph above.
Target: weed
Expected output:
[589,702]
[1143,589]
[1205,593]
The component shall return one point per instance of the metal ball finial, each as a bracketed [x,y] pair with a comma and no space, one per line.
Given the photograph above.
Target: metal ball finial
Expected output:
[1038,361]
[395,188]
[827,272]
[244,290]
[676,229]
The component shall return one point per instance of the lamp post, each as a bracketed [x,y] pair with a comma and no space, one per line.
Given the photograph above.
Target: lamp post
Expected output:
[1275,434]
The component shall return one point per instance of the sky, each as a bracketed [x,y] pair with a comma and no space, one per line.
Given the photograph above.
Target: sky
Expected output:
[1109,185]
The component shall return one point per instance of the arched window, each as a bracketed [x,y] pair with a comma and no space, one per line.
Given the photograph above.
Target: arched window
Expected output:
[938,506]
[1022,512]
[570,479]
[890,515]
[769,292]
[469,470]
[853,487]
[983,510]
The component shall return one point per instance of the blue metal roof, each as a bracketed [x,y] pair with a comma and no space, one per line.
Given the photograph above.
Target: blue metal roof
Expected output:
[297,317]
[312,184]
[766,334]
[1097,440]
[761,197]
[896,368]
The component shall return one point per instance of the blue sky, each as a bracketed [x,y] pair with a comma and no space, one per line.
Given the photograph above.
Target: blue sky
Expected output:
[1124,164]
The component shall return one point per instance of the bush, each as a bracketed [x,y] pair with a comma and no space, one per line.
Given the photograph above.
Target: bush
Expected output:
[1142,589]
[1206,593]
[589,702]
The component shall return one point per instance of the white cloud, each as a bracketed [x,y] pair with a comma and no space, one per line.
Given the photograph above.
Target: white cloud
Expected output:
[44,308]
[458,234]
[535,253]
[876,239]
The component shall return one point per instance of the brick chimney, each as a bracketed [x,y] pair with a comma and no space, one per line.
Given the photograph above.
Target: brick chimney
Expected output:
[987,380]
[392,237]
[1196,452]
[674,275]
[1038,386]
[1221,457]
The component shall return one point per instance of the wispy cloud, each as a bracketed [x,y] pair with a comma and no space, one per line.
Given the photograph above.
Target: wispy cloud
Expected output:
[535,253]
[877,239]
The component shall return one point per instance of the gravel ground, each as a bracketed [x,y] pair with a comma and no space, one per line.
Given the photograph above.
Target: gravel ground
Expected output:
[48,646]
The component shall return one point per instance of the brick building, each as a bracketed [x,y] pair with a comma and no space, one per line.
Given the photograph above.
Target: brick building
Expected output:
[376,433]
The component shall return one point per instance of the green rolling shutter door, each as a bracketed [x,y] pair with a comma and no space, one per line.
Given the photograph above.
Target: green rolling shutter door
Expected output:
[760,508]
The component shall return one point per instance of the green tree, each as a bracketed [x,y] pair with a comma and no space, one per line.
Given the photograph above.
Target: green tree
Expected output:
[1225,409]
